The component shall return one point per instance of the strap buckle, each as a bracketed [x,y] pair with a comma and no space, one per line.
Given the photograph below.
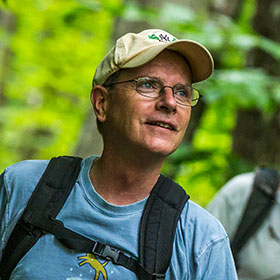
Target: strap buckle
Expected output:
[106,251]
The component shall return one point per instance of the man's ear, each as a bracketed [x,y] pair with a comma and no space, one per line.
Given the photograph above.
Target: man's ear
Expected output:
[99,100]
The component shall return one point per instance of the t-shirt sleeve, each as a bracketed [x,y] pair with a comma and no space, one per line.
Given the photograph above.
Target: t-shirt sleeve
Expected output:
[207,246]
[216,262]
[17,183]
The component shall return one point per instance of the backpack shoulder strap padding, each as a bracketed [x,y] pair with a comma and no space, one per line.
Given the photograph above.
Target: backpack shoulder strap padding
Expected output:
[158,225]
[157,229]
[261,199]
[46,200]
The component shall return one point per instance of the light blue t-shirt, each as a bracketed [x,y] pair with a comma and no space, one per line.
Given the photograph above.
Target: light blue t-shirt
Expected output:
[200,249]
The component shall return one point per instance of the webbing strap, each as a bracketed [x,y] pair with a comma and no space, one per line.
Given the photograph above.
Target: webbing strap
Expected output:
[263,193]
[50,193]
[157,230]
[158,225]
[79,243]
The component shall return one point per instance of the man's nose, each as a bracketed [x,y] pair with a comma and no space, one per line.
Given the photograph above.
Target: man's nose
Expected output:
[167,101]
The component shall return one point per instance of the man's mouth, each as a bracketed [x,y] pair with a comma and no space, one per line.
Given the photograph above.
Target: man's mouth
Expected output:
[162,124]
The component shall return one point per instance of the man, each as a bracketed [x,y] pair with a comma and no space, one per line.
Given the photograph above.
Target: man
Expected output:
[142,97]
[258,259]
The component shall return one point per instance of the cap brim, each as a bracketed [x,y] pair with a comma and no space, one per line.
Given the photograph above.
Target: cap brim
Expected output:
[198,57]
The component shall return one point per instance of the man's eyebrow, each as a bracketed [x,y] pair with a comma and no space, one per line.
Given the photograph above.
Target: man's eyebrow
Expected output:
[147,76]
[159,80]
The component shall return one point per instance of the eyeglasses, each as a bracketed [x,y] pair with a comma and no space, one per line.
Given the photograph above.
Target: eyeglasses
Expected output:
[184,95]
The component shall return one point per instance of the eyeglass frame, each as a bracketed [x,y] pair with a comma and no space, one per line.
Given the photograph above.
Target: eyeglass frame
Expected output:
[160,91]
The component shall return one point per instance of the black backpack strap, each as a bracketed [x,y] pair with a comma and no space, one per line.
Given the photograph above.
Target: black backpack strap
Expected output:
[46,201]
[157,230]
[262,197]
[79,243]
[158,225]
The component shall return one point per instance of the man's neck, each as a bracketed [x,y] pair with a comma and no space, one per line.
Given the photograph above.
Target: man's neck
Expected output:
[124,181]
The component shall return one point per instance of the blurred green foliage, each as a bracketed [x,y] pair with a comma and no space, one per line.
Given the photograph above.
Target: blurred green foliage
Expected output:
[204,165]
[56,46]
[52,53]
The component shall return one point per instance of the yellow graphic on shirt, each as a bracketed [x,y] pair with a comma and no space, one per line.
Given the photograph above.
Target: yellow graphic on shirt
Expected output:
[94,263]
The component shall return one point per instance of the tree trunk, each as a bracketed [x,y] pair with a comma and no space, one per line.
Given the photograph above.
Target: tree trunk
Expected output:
[257,136]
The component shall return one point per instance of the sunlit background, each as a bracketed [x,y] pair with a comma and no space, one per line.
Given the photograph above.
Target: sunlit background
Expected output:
[49,50]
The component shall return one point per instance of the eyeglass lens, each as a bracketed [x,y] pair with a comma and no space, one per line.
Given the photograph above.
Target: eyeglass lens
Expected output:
[184,94]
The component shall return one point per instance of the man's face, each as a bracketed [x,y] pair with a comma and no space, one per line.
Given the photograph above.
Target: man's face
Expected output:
[137,124]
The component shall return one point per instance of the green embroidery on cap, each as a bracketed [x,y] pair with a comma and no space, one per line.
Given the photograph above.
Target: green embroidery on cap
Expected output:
[154,37]
[161,38]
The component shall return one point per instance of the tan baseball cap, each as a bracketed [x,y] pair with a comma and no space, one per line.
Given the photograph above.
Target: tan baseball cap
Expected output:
[133,50]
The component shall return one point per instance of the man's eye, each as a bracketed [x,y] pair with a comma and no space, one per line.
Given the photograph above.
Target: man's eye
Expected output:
[147,84]
[184,92]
